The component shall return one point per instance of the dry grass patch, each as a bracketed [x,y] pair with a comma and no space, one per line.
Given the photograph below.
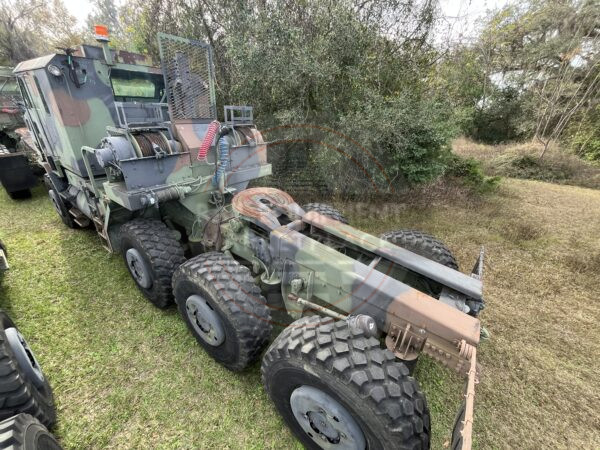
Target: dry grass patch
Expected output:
[127,375]
[522,160]
[540,369]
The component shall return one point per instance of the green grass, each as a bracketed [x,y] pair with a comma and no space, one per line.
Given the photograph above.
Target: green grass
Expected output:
[127,375]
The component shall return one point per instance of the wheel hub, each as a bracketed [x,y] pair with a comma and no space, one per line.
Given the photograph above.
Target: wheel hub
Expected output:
[24,356]
[205,320]
[137,268]
[325,420]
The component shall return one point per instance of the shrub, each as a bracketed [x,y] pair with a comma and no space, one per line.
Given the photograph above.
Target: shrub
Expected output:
[470,172]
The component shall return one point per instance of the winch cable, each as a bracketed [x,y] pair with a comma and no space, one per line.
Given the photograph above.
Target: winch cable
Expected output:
[213,128]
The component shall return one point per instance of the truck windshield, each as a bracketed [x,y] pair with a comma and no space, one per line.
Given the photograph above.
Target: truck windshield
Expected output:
[136,86]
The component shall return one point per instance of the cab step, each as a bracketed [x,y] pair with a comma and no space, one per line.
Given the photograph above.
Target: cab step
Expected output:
[79,218]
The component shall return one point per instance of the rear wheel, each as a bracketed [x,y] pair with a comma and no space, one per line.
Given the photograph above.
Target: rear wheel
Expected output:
[326,210]
[422,244]
[223,308]
[334,386]
[24,432]
[152,254]
[23,386]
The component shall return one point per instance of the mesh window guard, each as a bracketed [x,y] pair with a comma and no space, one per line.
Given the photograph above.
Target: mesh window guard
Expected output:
[189,77]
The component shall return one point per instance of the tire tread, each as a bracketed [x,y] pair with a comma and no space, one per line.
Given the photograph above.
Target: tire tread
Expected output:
[380,380]
[246,307]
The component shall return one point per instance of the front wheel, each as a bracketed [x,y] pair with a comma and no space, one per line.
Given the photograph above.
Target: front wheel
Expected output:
[334,386]
[20,194]
[152,254]
[61,208]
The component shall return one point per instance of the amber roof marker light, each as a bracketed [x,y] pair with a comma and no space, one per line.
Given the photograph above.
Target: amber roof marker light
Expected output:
[101,32]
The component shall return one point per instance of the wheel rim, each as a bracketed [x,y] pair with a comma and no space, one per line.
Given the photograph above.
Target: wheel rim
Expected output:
[205,320]
[138,269]
[325,420]
[55,202]
[24,356]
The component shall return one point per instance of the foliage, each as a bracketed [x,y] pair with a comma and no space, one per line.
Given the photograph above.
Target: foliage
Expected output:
[353,67]
[470,172]
[521,160]
[500,120]
[30,28]
[546,55]
[583,136]
[106,12]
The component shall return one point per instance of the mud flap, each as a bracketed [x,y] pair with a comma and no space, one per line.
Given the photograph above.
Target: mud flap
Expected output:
[463,424]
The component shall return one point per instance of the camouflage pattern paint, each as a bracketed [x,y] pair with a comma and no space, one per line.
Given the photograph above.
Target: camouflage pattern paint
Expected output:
[112,170]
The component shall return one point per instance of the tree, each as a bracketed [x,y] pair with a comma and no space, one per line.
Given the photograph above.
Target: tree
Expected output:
[29,28]
[106,12]
[355,67]
[18,37]
[548,51]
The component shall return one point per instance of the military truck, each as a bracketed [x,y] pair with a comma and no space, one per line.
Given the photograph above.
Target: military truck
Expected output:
[17,157]
[137,152]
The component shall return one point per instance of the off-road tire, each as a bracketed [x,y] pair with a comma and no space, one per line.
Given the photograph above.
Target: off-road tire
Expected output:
[24,432]
[367,380]
[422,244]
[326,210]
[162,253]
[18,391]
[232,293]
[61,208]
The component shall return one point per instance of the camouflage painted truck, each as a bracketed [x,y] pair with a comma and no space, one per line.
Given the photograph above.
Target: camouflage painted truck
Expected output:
[137,152]
[17,156]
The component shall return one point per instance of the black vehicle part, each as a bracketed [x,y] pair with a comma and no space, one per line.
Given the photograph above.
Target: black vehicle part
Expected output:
[317,362]
[152,254]
[223,308]
[24,432]
[16,174]
[23,387]
[326,210]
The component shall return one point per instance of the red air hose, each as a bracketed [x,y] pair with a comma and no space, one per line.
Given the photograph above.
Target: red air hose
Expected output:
[213,128]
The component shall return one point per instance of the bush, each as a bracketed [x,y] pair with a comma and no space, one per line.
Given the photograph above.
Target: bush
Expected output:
[522,161]
[499,121]
[583,136]
[470,172]
[532,167]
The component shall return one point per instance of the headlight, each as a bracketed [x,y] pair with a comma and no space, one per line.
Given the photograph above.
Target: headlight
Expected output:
[54,70]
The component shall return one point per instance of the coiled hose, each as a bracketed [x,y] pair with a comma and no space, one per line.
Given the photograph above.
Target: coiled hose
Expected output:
[208,139]
[223,163]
